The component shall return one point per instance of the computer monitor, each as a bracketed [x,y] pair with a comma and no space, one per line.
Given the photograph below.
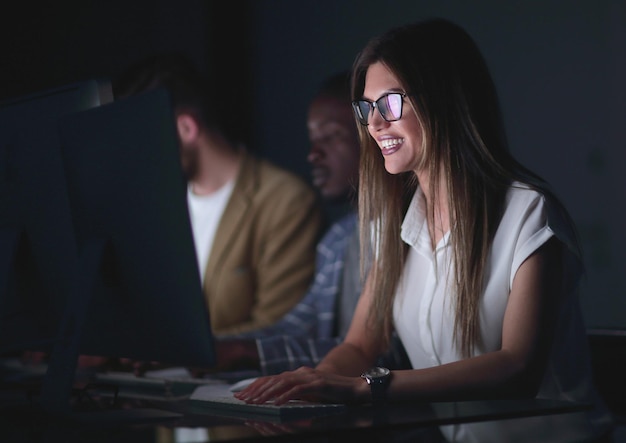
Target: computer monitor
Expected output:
[36,236]
[138,290]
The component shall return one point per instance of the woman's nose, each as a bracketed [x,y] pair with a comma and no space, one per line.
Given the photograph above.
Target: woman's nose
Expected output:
[376,121]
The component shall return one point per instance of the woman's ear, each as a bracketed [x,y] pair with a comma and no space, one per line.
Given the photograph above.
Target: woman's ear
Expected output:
[188,129]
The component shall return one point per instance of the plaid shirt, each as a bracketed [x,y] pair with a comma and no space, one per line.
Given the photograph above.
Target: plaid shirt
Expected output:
[306,333]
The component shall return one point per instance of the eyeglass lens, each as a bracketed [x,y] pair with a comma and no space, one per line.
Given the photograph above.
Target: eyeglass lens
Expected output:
[389,106]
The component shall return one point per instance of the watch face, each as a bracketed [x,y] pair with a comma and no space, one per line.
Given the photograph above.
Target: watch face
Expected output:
[377,372]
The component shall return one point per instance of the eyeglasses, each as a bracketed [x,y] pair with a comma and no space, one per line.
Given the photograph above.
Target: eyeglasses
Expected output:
[389,106]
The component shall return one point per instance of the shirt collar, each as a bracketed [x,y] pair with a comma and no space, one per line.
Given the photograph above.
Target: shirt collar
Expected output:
[414,230]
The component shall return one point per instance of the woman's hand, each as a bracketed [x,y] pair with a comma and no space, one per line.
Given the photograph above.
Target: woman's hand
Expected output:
[306,384]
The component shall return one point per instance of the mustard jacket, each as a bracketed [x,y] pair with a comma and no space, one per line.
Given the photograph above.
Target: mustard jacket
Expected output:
[263,256]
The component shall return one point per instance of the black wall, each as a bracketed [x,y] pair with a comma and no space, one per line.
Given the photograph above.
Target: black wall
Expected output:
[559,67]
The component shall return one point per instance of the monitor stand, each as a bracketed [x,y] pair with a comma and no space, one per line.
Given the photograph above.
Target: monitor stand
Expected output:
[57,386]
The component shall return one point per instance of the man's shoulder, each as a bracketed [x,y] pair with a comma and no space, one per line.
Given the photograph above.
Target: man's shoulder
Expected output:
[340,232]
[345,226]
[271,177]
[276,176]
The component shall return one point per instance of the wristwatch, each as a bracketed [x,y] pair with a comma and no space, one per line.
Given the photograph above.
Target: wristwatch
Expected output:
[378,378]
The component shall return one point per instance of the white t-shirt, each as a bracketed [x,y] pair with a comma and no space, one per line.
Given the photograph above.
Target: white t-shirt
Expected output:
[205,212]
[424,311]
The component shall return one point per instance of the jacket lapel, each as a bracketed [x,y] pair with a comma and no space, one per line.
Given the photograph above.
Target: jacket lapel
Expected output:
[235,213]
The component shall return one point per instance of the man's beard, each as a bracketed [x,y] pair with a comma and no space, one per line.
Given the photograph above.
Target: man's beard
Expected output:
[189,164]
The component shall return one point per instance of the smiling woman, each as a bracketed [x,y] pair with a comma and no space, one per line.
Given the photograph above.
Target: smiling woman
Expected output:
[393,134]
[476,263]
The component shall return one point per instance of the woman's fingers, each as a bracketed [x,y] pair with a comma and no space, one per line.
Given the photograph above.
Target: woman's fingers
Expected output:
[302,384]
[268,388]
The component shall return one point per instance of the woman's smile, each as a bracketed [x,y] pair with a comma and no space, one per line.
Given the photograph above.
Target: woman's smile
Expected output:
[390,145]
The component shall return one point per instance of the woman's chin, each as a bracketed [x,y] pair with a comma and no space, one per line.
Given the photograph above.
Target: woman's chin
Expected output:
[394,169]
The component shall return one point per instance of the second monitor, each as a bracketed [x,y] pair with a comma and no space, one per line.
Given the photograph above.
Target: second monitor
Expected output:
[139,272]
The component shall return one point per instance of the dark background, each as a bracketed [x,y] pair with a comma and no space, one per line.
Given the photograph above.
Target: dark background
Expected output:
[559,67]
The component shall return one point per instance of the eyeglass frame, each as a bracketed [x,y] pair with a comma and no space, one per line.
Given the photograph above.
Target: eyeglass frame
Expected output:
[374,105]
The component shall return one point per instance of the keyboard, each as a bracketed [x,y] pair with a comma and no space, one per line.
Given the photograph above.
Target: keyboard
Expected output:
[218,399]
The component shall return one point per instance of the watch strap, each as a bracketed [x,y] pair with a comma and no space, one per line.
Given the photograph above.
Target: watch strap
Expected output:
[378,381]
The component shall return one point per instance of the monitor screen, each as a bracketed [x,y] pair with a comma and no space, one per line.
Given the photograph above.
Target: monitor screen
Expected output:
[37,250]
[139,293]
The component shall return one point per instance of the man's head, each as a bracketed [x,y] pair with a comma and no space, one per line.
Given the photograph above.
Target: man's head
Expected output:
[187,89]
[334,154]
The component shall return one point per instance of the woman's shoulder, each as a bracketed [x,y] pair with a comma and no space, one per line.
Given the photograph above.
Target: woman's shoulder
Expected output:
[539,206]
[522,198]
[525,197]
[523,192]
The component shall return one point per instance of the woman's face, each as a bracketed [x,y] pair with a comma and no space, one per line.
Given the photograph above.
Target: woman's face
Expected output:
[400,142]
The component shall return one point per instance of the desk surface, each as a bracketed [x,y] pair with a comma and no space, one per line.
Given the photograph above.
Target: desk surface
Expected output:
[366,423]
[155,420]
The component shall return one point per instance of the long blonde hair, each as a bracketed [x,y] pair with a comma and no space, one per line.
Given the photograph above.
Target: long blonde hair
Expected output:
[451,91]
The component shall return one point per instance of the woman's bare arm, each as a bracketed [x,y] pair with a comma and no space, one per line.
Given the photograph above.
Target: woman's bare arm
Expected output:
[515,370]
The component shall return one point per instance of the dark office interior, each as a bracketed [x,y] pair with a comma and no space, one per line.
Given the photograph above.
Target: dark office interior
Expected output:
[559,67]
